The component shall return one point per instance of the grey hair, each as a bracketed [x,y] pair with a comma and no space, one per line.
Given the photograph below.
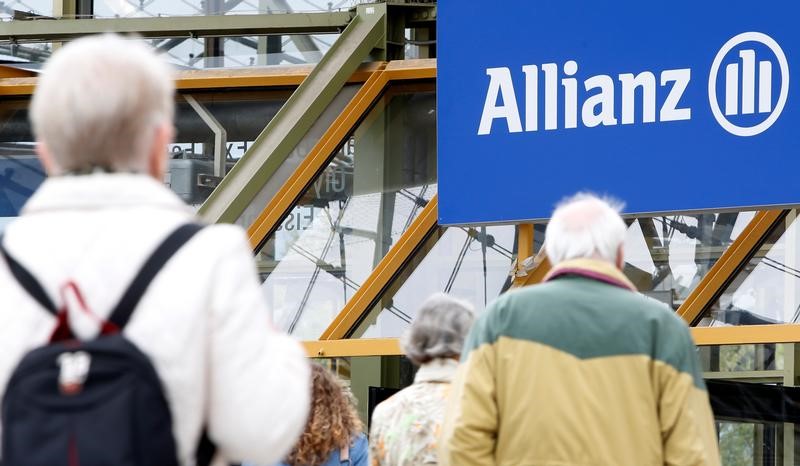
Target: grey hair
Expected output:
[585,226]
[99,101]
[438,330]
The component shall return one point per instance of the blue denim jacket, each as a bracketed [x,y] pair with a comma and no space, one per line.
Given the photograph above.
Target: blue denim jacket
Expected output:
[359,455]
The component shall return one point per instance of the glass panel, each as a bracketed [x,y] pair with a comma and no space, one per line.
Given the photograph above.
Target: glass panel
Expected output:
[20,170]
[208,53]
[469,263]
[666,257]
[35,7]
[236,52]
[356,208]
[767,289]
[192,154]
[752,393]
[726,361]
[141,8]
[297,155]
[231,51]
[753,444]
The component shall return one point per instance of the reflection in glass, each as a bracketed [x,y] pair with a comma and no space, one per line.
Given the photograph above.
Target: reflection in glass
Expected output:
[10,8]
[767,289]
[242,114]
[130,9]
[20,170]
[244,51]
[468,263]
[207,53]
[357,207]
[229,52]
[752,393]
[751,443]
[191,53]
[666,257]
[297,155]
[727,360]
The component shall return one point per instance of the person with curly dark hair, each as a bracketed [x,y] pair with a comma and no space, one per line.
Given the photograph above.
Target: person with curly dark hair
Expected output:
[334,433]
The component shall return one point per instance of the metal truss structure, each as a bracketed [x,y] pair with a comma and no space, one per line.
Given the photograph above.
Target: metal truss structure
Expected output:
[374,33]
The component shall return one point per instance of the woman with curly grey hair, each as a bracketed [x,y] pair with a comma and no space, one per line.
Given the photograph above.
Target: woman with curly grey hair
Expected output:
[404,428]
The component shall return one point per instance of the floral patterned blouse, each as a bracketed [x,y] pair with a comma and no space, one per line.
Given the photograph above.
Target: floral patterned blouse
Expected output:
[405,427]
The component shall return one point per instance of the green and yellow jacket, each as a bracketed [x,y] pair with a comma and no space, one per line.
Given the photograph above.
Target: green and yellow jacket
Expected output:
[580,370]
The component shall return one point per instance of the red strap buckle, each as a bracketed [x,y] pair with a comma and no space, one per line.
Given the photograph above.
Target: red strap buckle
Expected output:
[63,332]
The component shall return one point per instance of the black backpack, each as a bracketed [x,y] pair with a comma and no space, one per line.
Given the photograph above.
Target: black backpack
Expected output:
[90,403]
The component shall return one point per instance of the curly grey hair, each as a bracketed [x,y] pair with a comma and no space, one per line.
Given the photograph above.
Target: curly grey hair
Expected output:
[439,329]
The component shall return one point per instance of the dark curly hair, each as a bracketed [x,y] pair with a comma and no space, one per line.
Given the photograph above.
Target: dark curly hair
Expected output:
[332,423]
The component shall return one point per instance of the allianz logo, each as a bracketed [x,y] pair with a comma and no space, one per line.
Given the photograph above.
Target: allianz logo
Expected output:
[749,104]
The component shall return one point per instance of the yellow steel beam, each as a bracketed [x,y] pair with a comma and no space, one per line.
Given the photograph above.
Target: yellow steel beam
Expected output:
[729,263]
[424,68]
[525,242]
[304,174]
[20,83]
[315,161]
[284,131]
[246,77]
[382,275]
[703,336]
[270,76]
[746,334]
[7,71]
[17,86]
[355,347]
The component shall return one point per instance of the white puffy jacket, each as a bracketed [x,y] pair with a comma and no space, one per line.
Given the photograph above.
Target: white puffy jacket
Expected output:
[203,321]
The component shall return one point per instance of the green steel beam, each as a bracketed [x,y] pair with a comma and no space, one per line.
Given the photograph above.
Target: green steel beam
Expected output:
[364,33]
[176,26]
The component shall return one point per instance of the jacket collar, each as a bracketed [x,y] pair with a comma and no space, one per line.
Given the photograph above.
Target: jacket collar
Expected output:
[102,190]
[594,269]
[438,370]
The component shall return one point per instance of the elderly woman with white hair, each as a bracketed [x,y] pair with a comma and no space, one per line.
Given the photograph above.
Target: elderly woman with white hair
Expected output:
[405,427]
[92,239]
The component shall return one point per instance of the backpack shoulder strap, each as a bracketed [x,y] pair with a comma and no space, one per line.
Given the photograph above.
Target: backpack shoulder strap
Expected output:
[126,305]
[28,281]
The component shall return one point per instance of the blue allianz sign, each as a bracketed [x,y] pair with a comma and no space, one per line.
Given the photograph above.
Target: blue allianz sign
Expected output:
[668,106]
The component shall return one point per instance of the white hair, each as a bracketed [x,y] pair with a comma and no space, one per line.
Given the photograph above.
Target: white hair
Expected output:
[438,330]
[585,226]
[98,102]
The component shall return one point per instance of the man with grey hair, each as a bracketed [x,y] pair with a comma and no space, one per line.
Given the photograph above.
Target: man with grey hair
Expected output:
[102,114]
[581,369]
[404,429]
